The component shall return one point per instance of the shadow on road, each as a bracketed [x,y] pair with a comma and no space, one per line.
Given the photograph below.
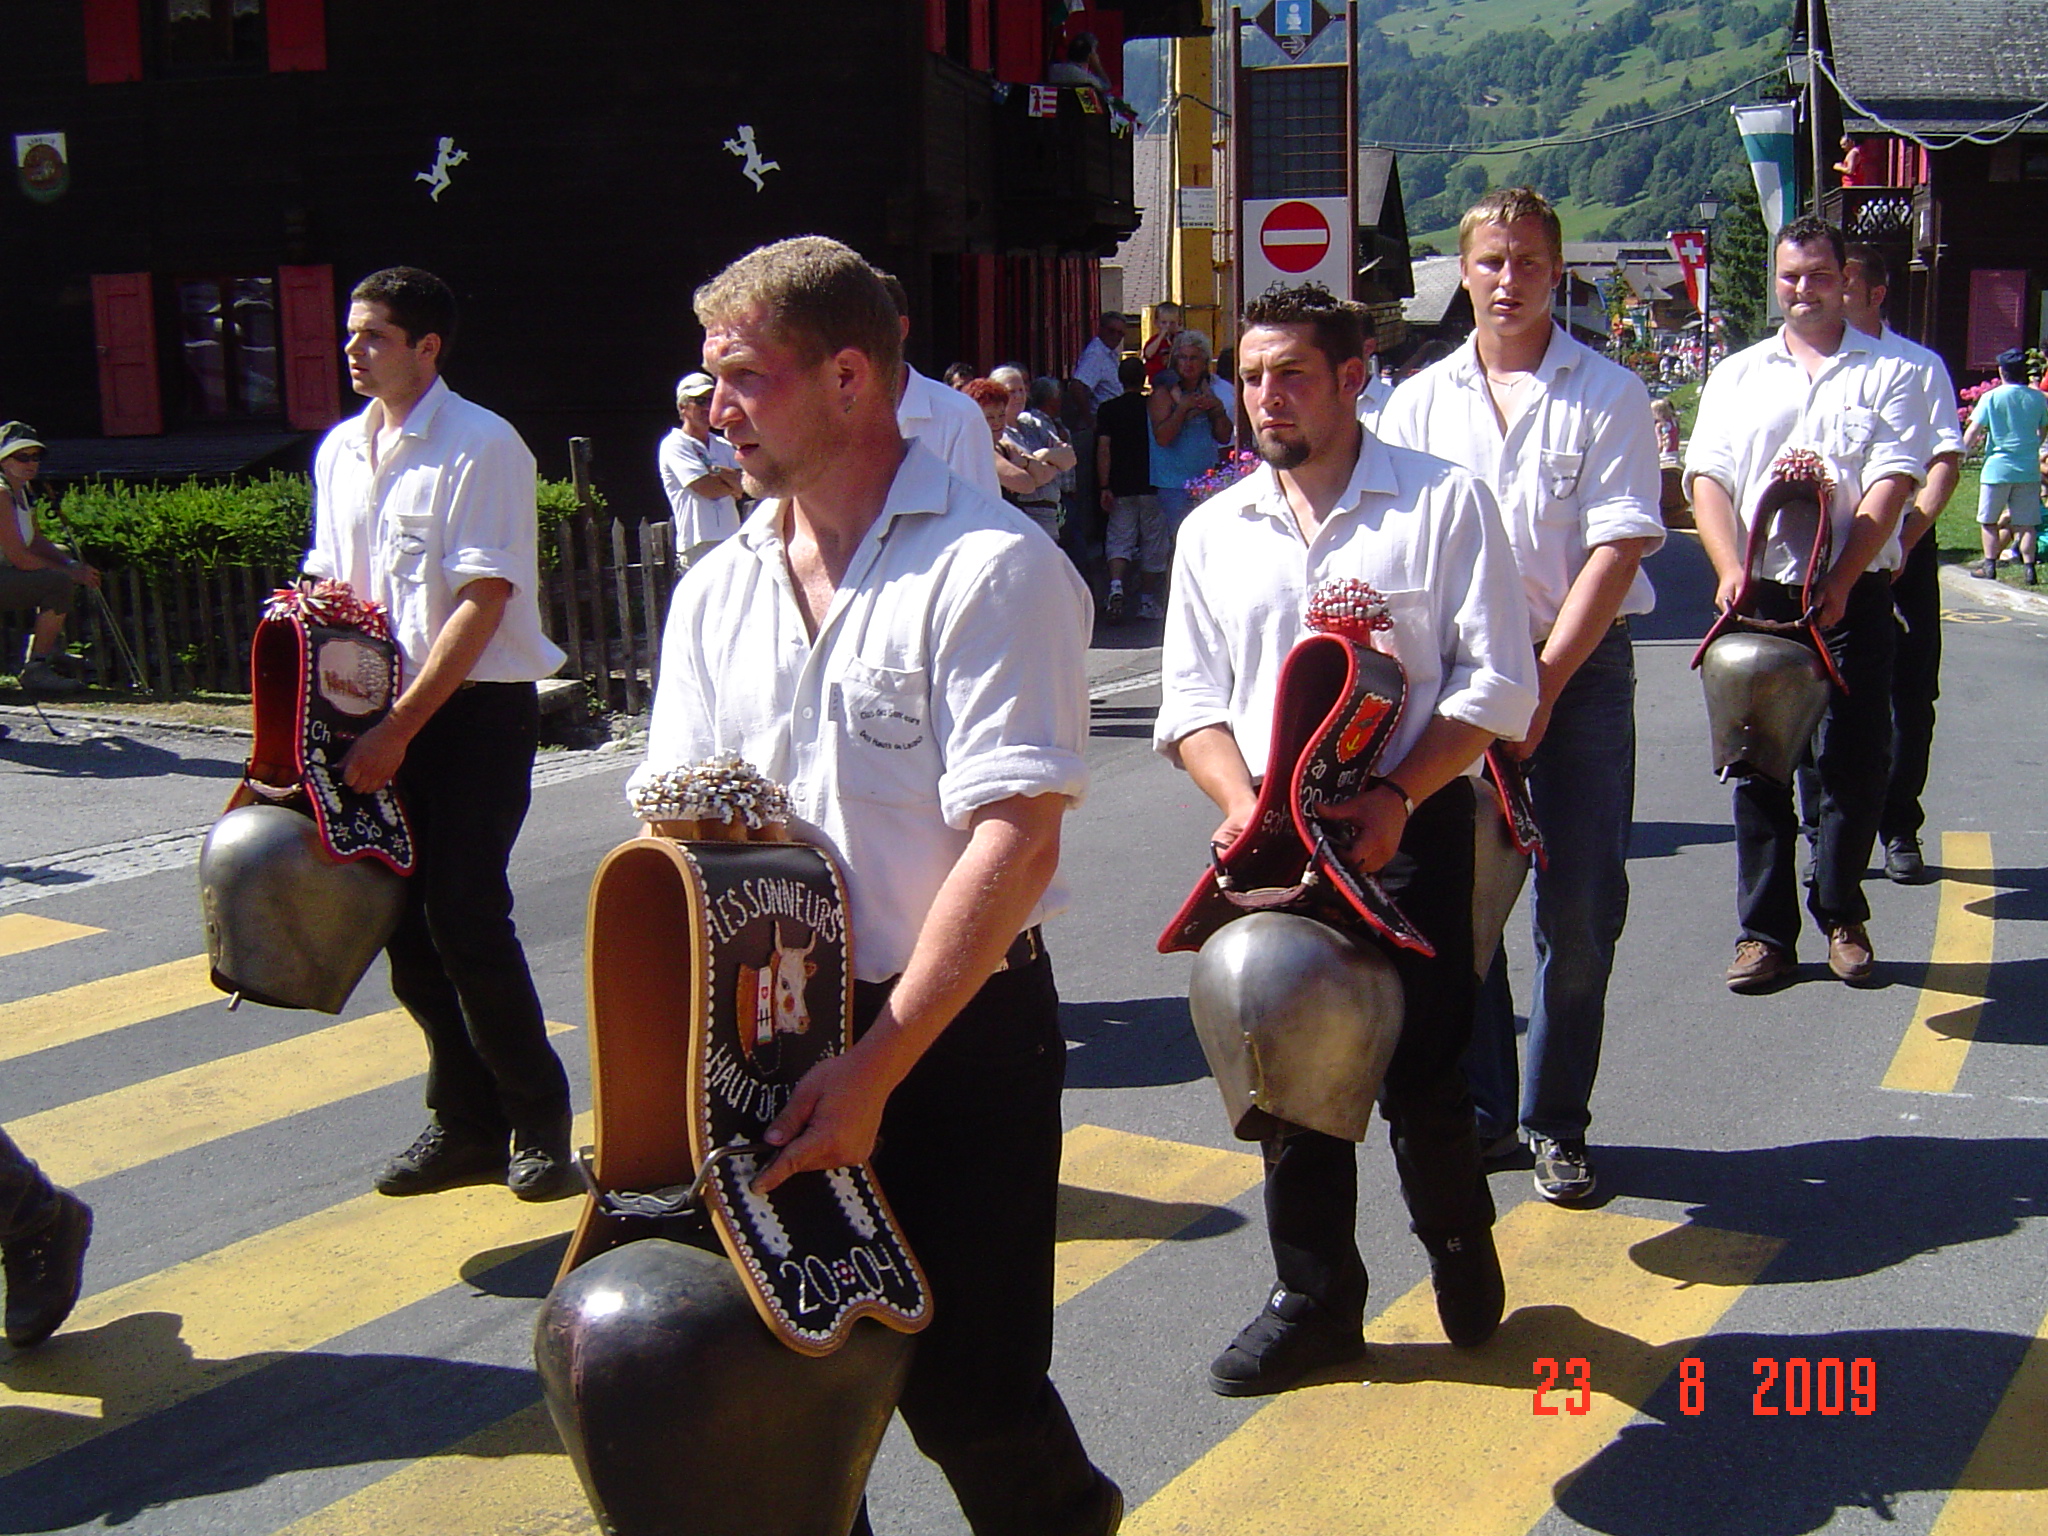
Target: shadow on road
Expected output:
[1144,1042]
[74,756]
[1662,839]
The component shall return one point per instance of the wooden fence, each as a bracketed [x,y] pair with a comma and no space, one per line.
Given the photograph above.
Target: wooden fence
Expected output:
[604,604]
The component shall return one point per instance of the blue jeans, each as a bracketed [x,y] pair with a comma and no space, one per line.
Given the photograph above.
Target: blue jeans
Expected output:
[1582,784]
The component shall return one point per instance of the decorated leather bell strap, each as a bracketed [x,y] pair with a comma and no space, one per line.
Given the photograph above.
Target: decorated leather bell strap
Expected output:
[1511,789]
[1799,475]
[773,997]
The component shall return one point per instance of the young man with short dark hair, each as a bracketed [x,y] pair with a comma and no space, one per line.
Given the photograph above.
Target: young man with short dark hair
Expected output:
[1331,501]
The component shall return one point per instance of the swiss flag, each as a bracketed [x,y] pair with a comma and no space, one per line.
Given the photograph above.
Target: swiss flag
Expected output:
[1690,247]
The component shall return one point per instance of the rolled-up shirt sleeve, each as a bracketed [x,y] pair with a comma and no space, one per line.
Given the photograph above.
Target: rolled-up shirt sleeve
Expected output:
[1483,621]
[1012,714]
[1196,685]
[1622,485]
[493,517]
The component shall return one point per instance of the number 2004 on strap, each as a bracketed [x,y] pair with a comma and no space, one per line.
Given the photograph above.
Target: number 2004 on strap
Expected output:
[1795,1387]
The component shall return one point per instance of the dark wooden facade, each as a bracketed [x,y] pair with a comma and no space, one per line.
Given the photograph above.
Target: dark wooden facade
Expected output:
[222,187]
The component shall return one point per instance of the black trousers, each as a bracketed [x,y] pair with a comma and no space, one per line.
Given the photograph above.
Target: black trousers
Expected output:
[1852,757]
[27,1199]
[456,963]
[1312,1178]
[969,1158]
[1916,684]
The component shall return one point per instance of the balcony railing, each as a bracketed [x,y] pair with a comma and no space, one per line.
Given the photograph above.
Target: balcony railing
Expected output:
[1880,213]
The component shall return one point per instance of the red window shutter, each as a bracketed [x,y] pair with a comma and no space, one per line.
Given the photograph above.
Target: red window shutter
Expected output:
[311,346]
[124,323]
[978,48]
[297,30]
[113,41]
[935,25]
[1020,41]
[1998,301]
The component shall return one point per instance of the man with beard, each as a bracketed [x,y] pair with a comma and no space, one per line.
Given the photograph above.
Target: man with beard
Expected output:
[1331,501]
[907,656]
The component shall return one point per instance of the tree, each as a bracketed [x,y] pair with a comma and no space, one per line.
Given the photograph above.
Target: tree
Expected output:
[1740,254]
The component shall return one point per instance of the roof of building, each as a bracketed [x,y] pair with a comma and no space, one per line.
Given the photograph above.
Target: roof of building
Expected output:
[1436,286]
[1939,66]
[1143,256]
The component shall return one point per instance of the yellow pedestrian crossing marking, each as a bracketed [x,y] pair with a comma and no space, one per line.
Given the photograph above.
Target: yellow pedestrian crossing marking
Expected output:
[20,932]
[127,1127]
[1121,1195]
[95,1007]
[1447,1439]
[1930,1057]
[2001,1489]
[156,1341]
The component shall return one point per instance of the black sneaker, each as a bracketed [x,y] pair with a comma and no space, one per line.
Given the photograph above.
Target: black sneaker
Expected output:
[541,1167]
[1470,1293]
[442,1159]
[1564,1174]
[1286,1341]
[45,1269]
[1903,862]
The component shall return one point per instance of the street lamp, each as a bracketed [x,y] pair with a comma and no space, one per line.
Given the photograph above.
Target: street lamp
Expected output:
[1709,209]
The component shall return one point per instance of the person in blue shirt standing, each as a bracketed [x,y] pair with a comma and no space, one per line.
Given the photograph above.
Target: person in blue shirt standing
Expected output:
[2013,417]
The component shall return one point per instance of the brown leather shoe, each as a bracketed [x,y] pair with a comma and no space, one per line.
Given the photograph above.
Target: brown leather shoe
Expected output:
[1758,966]
[1849,954]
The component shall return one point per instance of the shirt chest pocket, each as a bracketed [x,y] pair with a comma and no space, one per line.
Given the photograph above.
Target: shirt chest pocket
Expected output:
[887,753]
[1557,473]
[1851,433]
[409,540]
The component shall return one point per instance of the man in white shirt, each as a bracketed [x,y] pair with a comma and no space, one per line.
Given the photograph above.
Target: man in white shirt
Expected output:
[425,503]
[1916,586]
[1097,365]
[1333,502]
[1822,385]
[1563,438]
[908,658]
[698,474]
[943,419]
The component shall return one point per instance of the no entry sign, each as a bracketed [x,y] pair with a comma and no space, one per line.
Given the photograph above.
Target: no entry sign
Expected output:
[1295,236]
[1292,240]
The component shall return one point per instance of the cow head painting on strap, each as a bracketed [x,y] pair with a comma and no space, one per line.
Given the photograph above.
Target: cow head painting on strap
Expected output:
[773,996]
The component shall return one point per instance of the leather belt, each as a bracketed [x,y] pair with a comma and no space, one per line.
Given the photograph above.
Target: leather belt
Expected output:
[1024,950]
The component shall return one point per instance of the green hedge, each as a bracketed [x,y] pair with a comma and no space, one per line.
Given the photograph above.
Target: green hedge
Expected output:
[151,528]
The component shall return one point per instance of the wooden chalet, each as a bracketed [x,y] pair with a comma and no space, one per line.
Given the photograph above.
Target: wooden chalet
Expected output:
[1964,225]
[199,182]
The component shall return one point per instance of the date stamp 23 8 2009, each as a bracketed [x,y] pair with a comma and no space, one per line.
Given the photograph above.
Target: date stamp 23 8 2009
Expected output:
[1796,1386]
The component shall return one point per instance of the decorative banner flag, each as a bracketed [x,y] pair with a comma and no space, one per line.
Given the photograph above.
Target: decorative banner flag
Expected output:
[1090,101]
[1767,138]
[1045,101]
[41,165]
[1690,247]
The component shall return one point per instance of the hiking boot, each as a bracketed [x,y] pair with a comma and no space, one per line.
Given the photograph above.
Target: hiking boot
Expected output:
[1849,953]
[1758,966]
[541,1167]
[441,1159]
[1470,1290]
[1564,1174]
[39,676]
[1290,1338]
[1903,862]
[45,1270]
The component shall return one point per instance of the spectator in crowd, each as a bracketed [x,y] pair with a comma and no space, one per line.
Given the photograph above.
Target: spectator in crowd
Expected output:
[1136,522]
[939,417]
[36,573]
[43,1234]
[1190,423]
[1081,533]
[1671,503]
[1862,163]
[1167,320]
[1822,385]
[1081,64]
[1097,365]
[957,375]
[2011,419]
[1372,400]
[699,474]
[1037,437]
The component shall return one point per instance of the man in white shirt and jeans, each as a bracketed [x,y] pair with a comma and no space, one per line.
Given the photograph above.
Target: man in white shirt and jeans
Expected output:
[1822,385]
[907,656]
[698,474]
[1331,501]
[1564,439]
[425,503]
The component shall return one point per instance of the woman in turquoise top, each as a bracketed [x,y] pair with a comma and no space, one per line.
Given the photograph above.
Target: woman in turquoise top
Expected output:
[2014,417]
[1190,424]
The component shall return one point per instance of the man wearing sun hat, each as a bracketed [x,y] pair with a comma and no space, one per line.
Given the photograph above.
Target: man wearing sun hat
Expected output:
[34,572]
[699,474]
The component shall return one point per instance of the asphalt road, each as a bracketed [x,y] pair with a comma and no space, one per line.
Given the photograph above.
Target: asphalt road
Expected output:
[265,1348]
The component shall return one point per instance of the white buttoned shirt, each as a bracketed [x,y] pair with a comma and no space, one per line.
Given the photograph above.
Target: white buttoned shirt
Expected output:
[682,461]
[1097,369]
[1578,468]
[949,673]
[952,426]
[1424,533]
[451,502]
[1860,413]
[1942,433]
